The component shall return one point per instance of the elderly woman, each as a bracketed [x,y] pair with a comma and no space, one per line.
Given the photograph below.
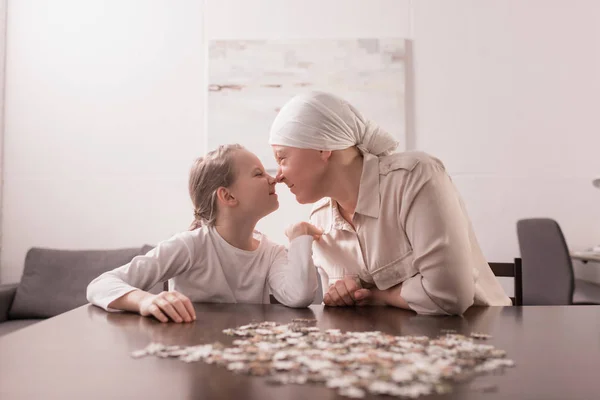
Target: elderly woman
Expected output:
[396,231]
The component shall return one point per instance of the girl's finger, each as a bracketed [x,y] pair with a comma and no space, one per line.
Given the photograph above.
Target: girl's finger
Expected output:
[156,313]
[168,309]
[188,304]
[180,308]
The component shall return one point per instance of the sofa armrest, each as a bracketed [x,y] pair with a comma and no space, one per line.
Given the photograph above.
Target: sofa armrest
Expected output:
[7,295]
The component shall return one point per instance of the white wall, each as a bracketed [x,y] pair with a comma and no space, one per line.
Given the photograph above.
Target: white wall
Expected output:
[507,95]
[104,116]
[104,110]
[234,19]
[2,64]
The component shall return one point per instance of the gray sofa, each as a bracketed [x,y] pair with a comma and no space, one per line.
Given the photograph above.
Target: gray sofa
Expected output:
[55,281]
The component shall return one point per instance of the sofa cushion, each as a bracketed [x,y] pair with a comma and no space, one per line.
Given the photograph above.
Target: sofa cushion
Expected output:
[146,248]
[55,281]
[7,295]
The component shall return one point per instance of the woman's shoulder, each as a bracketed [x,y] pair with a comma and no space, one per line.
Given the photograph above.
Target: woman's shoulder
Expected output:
[408,161]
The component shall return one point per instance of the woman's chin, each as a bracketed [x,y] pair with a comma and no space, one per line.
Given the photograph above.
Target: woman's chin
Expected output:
[302,198]
[301,201]
[275,206]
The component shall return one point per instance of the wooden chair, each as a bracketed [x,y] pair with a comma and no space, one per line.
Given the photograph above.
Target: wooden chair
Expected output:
[511,270]
[548,276]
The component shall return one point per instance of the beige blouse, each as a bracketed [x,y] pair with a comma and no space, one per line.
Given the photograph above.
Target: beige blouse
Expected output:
[411,228]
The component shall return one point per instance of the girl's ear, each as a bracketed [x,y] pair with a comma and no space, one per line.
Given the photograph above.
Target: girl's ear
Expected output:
[226,197]
[325,154]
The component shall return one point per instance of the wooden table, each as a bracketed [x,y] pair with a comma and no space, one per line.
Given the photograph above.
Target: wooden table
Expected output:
[85,353]
[586,256]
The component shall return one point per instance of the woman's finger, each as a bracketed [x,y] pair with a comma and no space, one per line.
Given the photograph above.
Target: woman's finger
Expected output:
[363,297]
[339,300]
[340,286]
[351,284]
[335,297]
[156,313]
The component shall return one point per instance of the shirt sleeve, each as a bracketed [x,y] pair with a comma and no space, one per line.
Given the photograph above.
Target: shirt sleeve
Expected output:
[170,258]
[293,276]
[438,229]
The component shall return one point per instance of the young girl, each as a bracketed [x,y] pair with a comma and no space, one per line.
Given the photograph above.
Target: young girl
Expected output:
[222,258]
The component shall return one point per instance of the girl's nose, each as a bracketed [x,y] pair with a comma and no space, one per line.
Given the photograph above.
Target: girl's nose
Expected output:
[278,176]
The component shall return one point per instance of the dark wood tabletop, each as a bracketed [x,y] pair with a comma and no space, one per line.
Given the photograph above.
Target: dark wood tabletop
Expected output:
[85,353]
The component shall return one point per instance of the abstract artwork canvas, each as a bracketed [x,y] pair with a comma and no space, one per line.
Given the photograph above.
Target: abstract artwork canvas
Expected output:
[250,80]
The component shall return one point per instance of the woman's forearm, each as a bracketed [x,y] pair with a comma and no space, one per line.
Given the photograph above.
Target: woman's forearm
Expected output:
[392,297]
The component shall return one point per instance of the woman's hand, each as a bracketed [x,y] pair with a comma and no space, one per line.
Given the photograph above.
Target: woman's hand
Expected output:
[349,292]
[303,228]
[167,306]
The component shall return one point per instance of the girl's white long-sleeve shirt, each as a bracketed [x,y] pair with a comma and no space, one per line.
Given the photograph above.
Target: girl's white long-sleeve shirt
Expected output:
[204,267]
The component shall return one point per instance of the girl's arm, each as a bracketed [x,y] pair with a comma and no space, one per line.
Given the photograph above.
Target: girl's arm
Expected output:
[163,306]
[170,258]
[293,276]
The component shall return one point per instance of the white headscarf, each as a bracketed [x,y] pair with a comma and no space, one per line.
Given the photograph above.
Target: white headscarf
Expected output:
[322,121]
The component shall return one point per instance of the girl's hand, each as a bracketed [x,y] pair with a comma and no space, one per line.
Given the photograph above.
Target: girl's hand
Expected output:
[303,228]
[167,306]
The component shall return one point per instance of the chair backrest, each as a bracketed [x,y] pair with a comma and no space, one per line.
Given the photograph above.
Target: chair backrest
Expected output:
[548,277]
[511,270]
